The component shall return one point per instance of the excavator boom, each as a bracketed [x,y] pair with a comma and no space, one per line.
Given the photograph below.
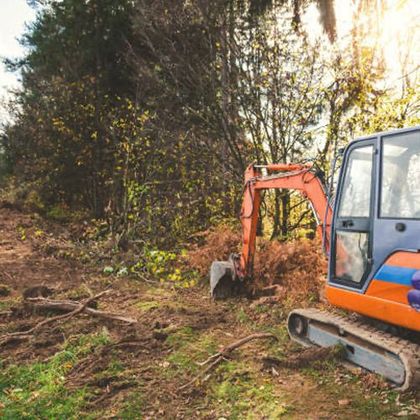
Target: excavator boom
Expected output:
[228,277]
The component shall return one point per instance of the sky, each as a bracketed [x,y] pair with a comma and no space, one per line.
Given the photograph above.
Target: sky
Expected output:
[399,21]
[13,15]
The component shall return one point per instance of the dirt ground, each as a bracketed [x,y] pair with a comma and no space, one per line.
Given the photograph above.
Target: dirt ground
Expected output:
[93,367]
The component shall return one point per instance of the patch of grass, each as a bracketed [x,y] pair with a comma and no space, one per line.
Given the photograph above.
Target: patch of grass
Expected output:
[114,369]
[372,404]
[132,407]
[243,395]
[147,305]
[6,304]
[38,390]
[373,407]
[181,337]
[243,317]
[189,348]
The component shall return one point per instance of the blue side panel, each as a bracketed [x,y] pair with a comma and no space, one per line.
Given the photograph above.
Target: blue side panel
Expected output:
[393,274]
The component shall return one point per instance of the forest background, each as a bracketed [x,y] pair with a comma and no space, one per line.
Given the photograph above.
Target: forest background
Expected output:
[143,115]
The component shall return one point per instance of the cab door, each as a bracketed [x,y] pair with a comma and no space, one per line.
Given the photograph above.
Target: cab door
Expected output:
[398,218]
[352,226]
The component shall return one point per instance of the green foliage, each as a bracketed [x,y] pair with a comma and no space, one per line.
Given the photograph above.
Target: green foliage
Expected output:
[163,266]
[148,118]
[59,213]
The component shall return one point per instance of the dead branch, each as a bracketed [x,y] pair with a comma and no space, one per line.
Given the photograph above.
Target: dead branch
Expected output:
[215,359]
[23,335]
[69,305]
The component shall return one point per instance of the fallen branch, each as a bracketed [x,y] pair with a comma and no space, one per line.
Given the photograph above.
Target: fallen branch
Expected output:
[22,335]
[215,359]
[73,309]
[68,305]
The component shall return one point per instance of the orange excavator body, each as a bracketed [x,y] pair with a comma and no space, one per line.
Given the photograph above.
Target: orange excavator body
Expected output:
[371,238]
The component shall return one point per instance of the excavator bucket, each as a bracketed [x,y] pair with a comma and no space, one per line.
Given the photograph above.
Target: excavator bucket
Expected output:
[222,279]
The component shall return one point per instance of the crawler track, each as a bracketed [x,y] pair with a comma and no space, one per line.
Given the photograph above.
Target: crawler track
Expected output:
[397,359]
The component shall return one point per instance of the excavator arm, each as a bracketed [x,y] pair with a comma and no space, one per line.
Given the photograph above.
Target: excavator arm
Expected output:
[228,276]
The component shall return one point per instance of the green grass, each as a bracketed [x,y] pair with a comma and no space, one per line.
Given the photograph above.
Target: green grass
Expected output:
[37,390]
[188,348]
[238,393]
[132,407]
[7,304]
[147,306]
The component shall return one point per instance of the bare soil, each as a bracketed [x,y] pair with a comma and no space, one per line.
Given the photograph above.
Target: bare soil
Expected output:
[142,366]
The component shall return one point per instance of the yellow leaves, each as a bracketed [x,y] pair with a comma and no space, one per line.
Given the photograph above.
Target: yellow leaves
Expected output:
[57,122]
[38,233]
[94,135]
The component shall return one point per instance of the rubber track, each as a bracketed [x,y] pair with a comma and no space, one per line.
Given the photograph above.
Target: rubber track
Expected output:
[407,351]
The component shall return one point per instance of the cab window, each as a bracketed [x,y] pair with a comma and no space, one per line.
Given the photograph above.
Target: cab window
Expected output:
[400,184]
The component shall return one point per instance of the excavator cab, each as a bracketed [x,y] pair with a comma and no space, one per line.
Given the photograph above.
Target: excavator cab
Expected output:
[375,238]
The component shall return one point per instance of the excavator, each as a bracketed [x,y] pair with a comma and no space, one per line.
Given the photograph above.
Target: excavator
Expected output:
[371,235]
